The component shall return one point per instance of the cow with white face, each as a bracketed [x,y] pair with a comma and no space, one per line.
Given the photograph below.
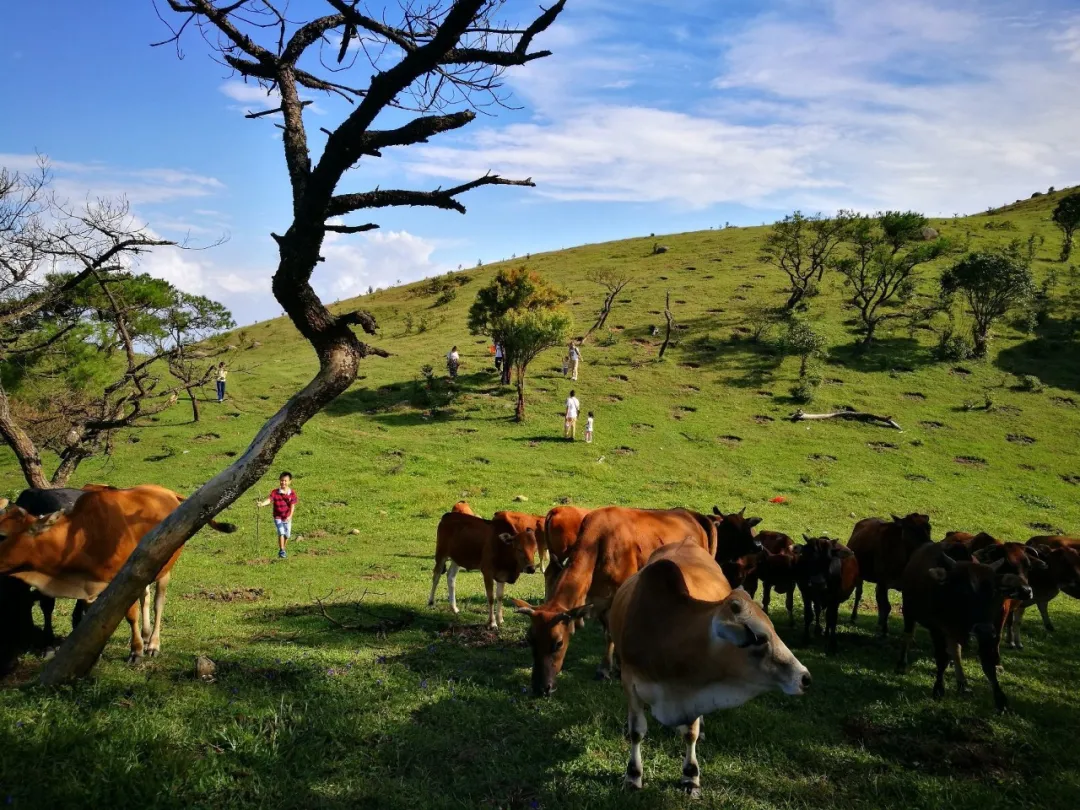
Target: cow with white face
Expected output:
[690,645]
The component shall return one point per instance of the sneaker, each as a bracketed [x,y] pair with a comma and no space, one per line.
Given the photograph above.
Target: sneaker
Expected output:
[281,555]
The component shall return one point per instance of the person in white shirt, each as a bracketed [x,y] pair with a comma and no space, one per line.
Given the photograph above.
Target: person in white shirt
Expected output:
[573,408]
[222,373]
[498,357]
[453,360]
[575,358]
[588,429]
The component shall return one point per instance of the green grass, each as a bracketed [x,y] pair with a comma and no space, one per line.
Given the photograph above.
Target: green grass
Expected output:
[424,710]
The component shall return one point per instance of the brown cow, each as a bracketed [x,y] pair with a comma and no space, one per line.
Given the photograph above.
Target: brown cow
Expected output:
[614,542]
[689,645]
[826,572]
[462,508]
[1062,575]
[883,549]
[469,542]
[76,554]
[561,528]
[1018,560]
[953,600]
[969,542]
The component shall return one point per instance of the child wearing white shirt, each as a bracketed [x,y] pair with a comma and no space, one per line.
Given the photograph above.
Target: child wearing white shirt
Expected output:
[588,429]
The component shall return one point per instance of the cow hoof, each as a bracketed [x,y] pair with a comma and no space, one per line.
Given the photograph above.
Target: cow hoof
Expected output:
[455,611]
[603,675]
[938,693]
[691,790]
[629,783]
[492,626]
[1049,628]
[153,652]
[999,669]
[135,659]
[431,603]
[963,689]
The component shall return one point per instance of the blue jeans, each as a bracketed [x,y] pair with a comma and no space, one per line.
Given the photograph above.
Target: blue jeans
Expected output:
[220,390]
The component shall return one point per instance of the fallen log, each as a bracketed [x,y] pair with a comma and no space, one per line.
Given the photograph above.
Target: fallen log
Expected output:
[858,416]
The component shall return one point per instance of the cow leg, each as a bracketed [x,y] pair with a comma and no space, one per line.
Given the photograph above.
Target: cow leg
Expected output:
[48,604]
[766,597]
[883,608]
[817,617]
[144,608]
[160,587]
[691,773]
[941,656]
[499,586]
[988,659]
[132,617]
[638,726]
[750,586]
[77,613]
[1017,620]
[858,598]
[440,567]
[451,586]
[489,587]
[831,612]
[1049,625]
[607,665]
[791,606]
[958,666]
[808,616]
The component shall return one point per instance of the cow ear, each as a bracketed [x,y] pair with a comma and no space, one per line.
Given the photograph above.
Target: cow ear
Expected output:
[580,612]
[1035,558]
[843,552]
[524,608]
[716,511]
[939,575]
[742,511]
[897,519]
[45,522]
[752,522]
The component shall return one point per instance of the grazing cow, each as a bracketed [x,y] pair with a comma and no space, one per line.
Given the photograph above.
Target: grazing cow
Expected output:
[462,508]
[614,542]
[561,528]
[953,600]
[469,542]
[883,549]
[76,554]
[689,645]
[826,572]
[1061,575]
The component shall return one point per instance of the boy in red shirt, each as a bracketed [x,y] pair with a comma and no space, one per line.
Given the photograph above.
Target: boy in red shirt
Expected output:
[284,500]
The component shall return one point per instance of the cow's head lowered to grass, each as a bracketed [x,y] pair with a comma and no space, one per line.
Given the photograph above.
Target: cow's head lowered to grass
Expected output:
[548,636]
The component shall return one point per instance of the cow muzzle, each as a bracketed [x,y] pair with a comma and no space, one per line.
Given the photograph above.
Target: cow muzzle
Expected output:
[530,569]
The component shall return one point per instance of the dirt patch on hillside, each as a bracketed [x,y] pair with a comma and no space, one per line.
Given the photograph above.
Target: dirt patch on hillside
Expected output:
[882,447]
[931,425]
[1019,438]
[729,440]
[235,595]
[619,378]
[625,451]
[470,636]
[971,461]
[915,396]
[821,457]
[761,419]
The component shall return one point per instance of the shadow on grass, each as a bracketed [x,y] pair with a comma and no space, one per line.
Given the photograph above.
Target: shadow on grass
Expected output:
[885,354]
[436,395]
[1051,356]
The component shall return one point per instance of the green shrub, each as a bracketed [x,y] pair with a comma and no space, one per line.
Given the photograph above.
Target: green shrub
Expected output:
[609,339]
[1031,383]
[423,325]
[952,346]
[446,296]
[408,321]
[804,391]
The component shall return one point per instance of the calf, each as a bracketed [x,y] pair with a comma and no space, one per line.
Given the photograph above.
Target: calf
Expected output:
[469,542]
[690,645]
[883,549]
[1061,575]
[1017,560]
[826,572]
[953,600]
[775,570]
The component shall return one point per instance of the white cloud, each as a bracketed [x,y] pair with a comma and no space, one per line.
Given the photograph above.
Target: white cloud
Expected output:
[376,259]
[940,106]
[251,94]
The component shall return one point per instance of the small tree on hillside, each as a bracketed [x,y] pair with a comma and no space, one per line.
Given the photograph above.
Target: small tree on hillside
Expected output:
[407,73]
[885,252]
[1067,217]
[500,312]
[802,246]
[190,321]
[803,342]
[992,283]
[526,333]
[613,281]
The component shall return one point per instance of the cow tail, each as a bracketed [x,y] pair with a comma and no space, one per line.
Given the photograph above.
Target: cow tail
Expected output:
[216,525]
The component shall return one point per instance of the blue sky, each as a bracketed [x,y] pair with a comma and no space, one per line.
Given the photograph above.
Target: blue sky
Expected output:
[650,117]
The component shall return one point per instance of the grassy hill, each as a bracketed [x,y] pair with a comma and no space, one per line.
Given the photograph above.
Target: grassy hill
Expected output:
[419,709]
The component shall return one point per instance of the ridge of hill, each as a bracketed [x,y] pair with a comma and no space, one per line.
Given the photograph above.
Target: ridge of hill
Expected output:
[426,709]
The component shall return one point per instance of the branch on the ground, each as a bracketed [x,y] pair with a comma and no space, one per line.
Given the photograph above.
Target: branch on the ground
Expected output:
[858,416]
[382,624]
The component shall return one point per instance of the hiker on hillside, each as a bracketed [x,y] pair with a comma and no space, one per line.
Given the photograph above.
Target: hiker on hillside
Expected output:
[575,358]
[573,408]
[453,360]
[222,373]
[498,357]
[589,428]
[284,501]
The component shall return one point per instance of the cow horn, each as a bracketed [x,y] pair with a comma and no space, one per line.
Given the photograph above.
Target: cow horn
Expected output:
[716,511]
[524,608]
[996,564]
[742,511]
[947,562]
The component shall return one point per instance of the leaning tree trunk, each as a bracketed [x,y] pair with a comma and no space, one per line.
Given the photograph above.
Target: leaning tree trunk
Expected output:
[670,322]
[794,299]
[981,338]
[194,405]
[519,412]
[1066,246]
[339,354]
[22,445]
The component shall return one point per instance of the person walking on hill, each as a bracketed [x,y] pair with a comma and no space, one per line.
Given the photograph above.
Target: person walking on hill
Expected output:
[284,500]
[573,408]
[575,359]
[453,360]
[498,358]
[222,373]
[589,428]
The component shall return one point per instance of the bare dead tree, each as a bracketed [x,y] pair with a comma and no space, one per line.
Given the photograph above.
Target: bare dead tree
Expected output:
[433,56]
[613,282]
[670,324]
[51,258]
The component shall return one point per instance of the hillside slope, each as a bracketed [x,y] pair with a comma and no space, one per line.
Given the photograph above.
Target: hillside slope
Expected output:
[291,721]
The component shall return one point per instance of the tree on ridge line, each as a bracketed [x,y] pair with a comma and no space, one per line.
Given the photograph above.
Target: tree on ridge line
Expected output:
[433,58]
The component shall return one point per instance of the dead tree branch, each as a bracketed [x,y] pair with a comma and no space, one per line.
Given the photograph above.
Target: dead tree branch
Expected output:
[858,416]
[670,324]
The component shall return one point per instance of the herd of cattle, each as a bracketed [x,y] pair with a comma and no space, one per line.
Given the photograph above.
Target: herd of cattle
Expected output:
[672,589]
